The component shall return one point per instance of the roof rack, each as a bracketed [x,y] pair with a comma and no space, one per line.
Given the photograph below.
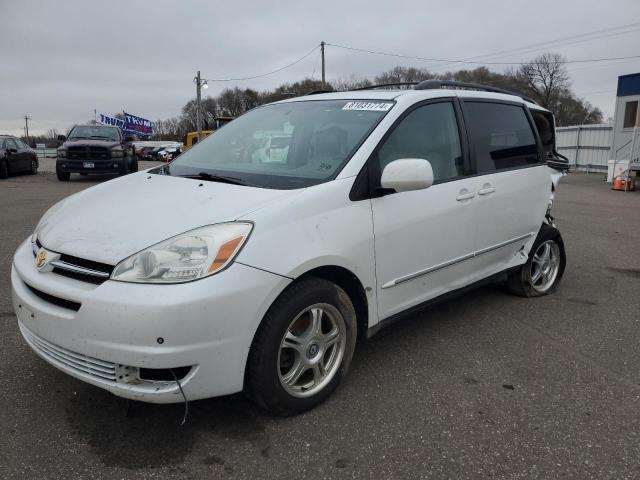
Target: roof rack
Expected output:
[317,92]
[398,84]
[435,84]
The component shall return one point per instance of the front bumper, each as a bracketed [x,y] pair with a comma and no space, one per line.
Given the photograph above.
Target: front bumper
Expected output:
[207,325]
[112,165]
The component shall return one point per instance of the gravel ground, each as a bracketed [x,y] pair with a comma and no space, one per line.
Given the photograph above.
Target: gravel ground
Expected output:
[488,385]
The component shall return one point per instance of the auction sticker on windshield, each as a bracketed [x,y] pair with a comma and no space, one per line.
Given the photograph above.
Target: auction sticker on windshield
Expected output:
[368,106]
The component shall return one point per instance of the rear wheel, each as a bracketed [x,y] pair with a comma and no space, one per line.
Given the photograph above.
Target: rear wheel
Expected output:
[303,347]
[544,268]
[4,169]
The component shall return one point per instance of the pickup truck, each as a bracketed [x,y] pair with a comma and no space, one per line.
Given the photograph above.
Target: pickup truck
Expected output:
[95,149]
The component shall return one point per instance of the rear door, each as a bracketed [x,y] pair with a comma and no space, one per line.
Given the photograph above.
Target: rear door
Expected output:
[513,183]
[25,155]
[423,238]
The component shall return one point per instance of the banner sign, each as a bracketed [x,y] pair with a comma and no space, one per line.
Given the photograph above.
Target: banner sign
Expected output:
[138,126]
[107,120]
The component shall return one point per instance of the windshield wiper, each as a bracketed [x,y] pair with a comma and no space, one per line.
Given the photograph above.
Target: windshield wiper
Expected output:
[209,177]
[101,136]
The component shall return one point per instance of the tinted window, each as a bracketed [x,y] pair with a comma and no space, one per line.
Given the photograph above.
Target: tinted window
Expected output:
[500,136]
[94,132]
[429,132]
[21,144]
[10,143]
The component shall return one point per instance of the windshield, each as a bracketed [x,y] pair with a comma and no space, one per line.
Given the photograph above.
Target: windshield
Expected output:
[285,146]
[105,133]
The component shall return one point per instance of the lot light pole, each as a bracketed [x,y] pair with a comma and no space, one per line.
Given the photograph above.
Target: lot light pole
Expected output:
[200,84]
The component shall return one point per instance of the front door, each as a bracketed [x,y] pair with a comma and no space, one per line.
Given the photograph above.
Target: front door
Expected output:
[423,238]
[14,158]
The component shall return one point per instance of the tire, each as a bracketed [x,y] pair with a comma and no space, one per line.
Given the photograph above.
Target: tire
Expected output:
[541,274]
[34,167]
[289,380]
[124,167]
[4,169]
[133,168]
[63,176]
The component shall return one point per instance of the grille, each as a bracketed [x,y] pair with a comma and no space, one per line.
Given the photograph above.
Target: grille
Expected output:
[69,360]
[60,302]
[83,277]
[88,153]
[84,263]
[72,261]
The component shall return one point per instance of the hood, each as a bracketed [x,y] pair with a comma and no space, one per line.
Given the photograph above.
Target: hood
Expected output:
[90,143]
[109,222]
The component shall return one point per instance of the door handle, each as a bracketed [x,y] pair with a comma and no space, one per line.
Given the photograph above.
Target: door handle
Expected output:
[465,194]
[486,191]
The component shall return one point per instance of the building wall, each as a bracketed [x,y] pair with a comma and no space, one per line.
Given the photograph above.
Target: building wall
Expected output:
[588,147]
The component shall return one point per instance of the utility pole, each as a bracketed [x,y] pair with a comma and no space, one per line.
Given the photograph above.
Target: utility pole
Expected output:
[26,127]
[322,57]
[198,87]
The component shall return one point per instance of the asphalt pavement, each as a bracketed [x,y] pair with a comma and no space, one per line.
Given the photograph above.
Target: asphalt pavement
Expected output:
[486,385]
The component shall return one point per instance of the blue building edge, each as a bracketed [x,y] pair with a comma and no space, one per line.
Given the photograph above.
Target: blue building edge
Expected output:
[628,85]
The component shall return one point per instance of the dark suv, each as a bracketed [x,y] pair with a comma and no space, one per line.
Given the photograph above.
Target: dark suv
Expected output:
[95,149]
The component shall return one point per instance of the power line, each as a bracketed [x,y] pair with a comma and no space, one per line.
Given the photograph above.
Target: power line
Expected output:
[263,74]
[413,57]
[562,41]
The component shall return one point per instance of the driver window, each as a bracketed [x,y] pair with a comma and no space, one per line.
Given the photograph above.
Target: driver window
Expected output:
[429,132]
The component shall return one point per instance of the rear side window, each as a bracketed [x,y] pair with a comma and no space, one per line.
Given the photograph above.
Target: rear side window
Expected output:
[501,136]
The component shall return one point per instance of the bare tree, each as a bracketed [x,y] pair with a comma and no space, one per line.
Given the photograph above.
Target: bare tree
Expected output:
[545,78]
[403,75]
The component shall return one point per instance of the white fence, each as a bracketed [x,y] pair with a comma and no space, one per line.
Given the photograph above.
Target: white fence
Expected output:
[588,147]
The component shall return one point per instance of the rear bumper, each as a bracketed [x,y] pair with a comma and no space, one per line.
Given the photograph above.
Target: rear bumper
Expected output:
[113,165]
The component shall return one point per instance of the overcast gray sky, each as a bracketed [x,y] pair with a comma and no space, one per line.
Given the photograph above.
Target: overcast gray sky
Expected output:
[63,59]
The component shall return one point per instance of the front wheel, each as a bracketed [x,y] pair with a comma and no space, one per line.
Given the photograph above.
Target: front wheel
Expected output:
[544,268]
[303,347]
[62,176]
[34,167]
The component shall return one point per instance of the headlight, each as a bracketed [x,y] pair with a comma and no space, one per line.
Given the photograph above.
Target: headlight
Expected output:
[189,256]
[62,153]
[117,153]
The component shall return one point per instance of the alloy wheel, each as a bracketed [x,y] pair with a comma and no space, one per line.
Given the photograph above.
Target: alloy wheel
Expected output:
[311,350]
[545,265]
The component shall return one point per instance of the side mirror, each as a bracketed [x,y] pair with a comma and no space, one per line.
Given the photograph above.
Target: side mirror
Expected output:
[407,174]
[61,138]
[12,150]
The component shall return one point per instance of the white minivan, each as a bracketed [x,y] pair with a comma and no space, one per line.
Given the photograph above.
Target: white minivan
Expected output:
[219,273]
